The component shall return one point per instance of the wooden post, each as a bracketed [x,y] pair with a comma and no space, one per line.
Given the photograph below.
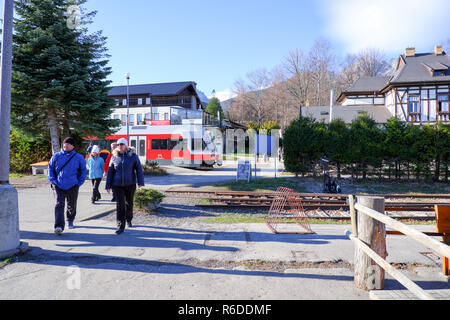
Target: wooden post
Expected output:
[368,274]
[351,201]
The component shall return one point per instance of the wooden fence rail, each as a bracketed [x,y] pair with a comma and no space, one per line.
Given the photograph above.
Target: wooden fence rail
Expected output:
[369,236]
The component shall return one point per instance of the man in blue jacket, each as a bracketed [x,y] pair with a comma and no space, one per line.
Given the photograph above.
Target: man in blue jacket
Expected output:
[124,171]
[66,173]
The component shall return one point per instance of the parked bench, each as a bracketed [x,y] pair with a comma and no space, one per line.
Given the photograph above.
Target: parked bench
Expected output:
[40,168]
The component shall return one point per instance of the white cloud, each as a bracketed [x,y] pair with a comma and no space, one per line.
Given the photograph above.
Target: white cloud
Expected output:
[390,25]
[224,95]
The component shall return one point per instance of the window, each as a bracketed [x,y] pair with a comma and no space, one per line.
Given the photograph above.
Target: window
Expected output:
[147,101]
[142,148]
[198,144]
[413,104]
[443,103]
[166,116]
[156,116]
[140,101]
[139,119]
[131,119]
[148,116]
[180,144]
[433,94]
[133,102]
[124,102]
[159,144]
[116,116]
[117,102]
[124,119]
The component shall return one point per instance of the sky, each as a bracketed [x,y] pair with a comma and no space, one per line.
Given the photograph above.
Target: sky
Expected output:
[215,43]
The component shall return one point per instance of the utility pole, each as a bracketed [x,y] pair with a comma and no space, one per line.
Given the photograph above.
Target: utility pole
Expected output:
[128,107]
[9,208]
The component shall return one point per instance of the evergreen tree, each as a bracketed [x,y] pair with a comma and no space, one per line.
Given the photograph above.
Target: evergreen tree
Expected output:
[302,145]
[59,73]
[366,147]
[213,107]
[337,143]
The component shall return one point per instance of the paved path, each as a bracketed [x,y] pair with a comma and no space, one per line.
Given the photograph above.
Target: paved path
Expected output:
[187,259]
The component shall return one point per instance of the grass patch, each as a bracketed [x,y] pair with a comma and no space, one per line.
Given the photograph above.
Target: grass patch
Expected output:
[5,263]
[261,218]
[386,187]
[261,184]
[15,175]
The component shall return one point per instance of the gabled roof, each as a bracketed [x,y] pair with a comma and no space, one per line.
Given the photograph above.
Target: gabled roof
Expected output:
[365,85]
[368,84]
[154,89]
[418,68]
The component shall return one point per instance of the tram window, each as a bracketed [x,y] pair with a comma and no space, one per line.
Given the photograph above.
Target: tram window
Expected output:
[198,144]
[142,148]
[159,144]
[178,144]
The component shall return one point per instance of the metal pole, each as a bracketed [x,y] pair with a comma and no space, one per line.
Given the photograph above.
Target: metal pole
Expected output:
[5,90]
[128,108]
[331,105]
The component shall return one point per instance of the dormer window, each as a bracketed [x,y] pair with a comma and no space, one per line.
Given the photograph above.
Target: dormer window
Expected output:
[435,68]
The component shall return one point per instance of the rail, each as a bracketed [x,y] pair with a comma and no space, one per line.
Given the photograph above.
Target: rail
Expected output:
[377,243]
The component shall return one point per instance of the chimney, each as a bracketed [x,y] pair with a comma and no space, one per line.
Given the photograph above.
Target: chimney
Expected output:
[410,52]
[438,50]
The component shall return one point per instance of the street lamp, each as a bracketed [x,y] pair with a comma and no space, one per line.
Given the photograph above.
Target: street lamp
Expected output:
[127,75]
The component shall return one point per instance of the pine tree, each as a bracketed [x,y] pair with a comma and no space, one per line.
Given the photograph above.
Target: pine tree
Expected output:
[59,73]
[213,107]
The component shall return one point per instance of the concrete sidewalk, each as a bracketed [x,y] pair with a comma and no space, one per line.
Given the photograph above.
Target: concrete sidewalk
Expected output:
[189,259]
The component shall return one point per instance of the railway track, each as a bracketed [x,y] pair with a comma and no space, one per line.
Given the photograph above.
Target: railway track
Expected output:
[317,205]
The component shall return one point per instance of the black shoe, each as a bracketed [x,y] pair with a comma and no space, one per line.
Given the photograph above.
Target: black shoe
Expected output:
[119,231]
[129,224]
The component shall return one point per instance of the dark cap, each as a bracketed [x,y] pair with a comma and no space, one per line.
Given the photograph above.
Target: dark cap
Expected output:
[70,140]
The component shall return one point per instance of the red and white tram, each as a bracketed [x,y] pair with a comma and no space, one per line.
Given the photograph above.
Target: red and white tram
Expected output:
[180,145]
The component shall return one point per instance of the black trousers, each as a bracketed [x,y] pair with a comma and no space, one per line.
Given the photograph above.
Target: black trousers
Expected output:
[95,193]
[124,204]
[61,196]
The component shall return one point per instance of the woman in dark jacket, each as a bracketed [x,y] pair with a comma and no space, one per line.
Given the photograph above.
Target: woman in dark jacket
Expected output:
[124,171]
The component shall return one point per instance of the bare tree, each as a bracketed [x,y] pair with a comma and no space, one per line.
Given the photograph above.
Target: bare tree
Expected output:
[369,62]
[298,80]
[321,61]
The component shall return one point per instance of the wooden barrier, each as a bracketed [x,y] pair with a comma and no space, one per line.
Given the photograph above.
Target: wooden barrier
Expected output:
[443,226]
[370,240]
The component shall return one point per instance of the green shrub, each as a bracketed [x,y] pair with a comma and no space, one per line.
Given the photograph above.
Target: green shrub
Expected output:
[152,168]
[144,197]
[25,151]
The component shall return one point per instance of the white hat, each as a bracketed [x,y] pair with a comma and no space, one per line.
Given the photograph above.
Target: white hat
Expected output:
[95,149]
[122,140]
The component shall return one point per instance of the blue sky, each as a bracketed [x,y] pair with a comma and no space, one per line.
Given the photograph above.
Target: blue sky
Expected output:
[216,42]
